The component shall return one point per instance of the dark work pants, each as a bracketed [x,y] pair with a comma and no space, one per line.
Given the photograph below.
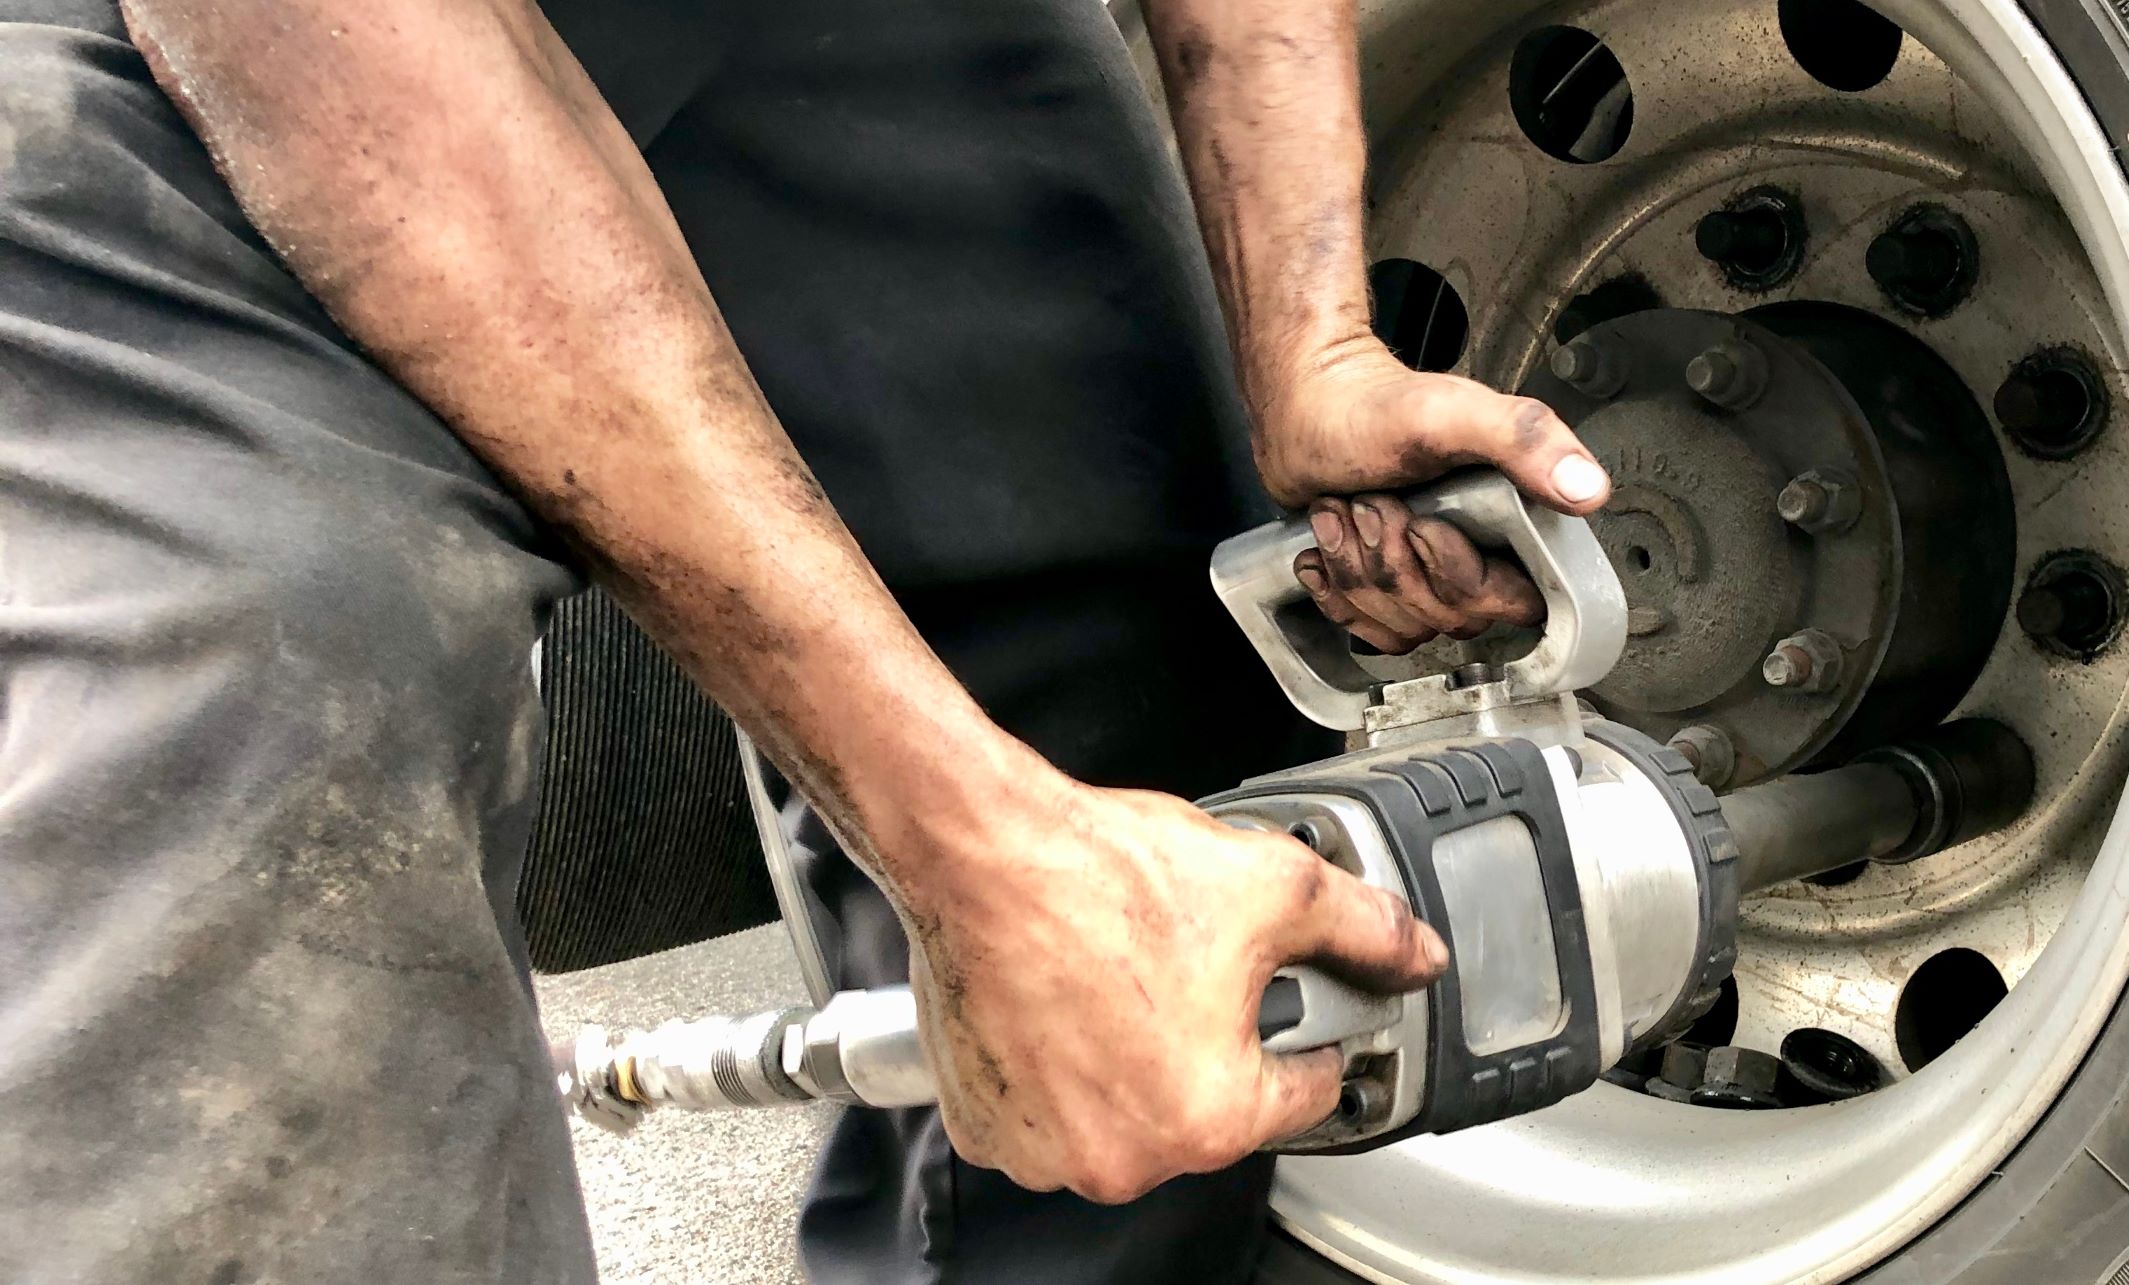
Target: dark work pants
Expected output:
[268,736]
[950,239]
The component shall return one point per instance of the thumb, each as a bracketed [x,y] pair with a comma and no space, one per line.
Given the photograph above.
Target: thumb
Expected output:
[1363,934]
[1522,437]
[1298,1092]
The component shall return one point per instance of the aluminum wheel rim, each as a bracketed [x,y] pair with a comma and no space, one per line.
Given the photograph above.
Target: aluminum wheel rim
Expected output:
[1616,1186]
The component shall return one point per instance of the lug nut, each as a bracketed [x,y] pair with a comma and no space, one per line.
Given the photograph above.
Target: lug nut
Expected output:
[1709,749]
[1926,261]
[2072,605]
[1590,367]
[1751,239]
[1684,1066]
[1757,241]
[2053,404]
[1739,1079]
[1806,661]
[1820,502]
[1824,1066]
[1732,374]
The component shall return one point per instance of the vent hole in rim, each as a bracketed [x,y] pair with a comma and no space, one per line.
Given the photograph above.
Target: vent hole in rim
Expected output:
[1947,997]
[1570,95]
[1419,314]
[1841,44]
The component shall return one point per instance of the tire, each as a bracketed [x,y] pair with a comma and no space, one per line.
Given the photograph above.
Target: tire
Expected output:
[643,840]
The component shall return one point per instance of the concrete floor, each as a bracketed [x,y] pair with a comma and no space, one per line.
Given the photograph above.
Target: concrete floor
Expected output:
[704,1199]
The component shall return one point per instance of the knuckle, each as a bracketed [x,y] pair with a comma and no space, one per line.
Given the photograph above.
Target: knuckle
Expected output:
[1346,571]
[1529,423]
[1112,1183]
[1308,880]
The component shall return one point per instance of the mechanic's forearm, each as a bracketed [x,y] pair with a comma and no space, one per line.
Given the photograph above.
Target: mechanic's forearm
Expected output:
[444,178]
[1266,101]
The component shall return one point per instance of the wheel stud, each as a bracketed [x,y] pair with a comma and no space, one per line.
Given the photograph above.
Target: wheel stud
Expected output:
[1732,374]
[1820,503]
[2053,404]
[2072,605]
[1709,749]
[1806,661]
[1751,239]
[1757,240]
[1590,367]
[1926,261]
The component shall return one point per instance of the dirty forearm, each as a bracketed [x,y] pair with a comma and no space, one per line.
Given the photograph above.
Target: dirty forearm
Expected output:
[1266,101]
[444,178]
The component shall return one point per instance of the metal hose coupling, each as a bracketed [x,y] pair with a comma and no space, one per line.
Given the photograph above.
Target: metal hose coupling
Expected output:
[860,1049]
[710,1064]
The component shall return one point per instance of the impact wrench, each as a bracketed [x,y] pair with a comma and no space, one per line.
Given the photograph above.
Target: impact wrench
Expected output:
[1585,882]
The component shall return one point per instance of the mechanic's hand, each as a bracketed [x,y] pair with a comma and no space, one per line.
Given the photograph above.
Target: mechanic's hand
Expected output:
[1395,581]
[1358,422]
[1089,999]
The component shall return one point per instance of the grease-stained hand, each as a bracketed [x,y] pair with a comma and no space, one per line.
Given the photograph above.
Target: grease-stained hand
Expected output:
[1088,981]
[1358,423]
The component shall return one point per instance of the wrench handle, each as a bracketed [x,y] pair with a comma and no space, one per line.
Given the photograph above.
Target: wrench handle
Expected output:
[1585,621]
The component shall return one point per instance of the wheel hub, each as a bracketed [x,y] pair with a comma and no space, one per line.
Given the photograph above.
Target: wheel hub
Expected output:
[1782,532]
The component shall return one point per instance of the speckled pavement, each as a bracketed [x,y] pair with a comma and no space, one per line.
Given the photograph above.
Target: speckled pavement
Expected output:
[705,1199]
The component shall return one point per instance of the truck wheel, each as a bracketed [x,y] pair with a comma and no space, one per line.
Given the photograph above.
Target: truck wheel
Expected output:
[1943,176]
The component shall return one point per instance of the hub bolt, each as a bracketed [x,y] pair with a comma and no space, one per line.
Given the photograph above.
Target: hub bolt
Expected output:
[1709,749]
[1808,660]
[1757,240]
[1926,261]
[1820,502]
[1590,366]
[2053,404]
[1732,374]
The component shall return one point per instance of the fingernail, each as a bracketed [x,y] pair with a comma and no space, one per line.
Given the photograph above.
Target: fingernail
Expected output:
[1437,953]
[1578,479]
[1420,547]
[1330,532]
[1311,580]
[1369,523]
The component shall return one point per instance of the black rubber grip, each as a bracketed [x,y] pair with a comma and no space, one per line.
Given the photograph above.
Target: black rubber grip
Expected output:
[1418,800]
